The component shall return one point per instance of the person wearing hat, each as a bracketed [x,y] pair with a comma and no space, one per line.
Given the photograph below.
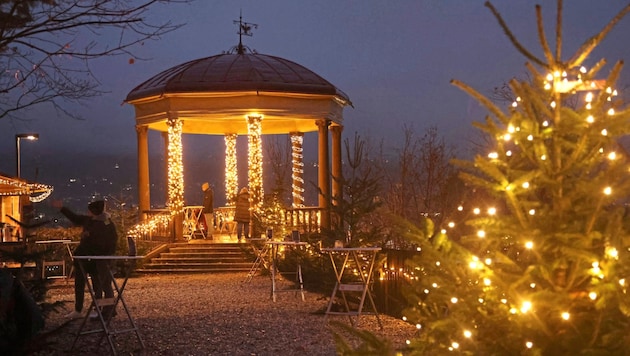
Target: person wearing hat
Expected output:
[208,208]
[241,214]
[98,237]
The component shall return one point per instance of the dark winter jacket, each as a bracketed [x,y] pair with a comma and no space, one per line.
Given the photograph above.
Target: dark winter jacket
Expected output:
[99,235]
[241,213]
[208,201]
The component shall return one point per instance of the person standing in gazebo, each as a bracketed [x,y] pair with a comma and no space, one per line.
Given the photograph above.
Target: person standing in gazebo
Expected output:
[208,208]
[241,214]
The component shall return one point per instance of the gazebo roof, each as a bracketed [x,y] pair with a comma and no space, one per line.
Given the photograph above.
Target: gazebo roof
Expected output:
[213,94]
[236,72]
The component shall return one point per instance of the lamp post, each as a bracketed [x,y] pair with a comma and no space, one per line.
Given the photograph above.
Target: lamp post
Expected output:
[18,137]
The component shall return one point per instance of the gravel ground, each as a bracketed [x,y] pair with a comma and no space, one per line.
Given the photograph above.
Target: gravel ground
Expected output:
[216,314]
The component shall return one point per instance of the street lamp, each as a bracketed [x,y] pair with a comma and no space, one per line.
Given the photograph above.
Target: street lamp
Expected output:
[18,137]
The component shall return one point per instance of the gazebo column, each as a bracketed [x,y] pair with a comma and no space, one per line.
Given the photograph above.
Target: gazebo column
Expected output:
[254,164]
[231,172]
[176,176]
[337,173]
[144,186]
[297,171]
[323,173]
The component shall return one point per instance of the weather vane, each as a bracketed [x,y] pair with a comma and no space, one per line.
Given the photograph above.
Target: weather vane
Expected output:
[244,28]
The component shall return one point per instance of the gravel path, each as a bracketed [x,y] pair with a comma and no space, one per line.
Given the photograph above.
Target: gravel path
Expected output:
[217,314]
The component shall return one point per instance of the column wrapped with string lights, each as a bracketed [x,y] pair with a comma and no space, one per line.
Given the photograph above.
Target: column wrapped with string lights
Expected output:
[175,167]
[231,172]
[255,168]
[297,172]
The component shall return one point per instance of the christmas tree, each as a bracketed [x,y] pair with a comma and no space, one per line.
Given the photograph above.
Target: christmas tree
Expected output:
[542,264]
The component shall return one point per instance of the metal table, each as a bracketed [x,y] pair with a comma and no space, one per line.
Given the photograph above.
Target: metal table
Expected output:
[107,329]
[261,252]
[274,247]
[192,225]
[353,270]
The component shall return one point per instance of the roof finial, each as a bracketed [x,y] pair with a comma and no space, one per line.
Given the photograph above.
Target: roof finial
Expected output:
[244,28]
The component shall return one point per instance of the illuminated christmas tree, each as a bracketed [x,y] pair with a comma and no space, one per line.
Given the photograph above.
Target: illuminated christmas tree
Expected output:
[542,264]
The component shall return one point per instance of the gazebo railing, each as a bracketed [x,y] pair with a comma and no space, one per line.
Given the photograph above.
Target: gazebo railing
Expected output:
[160,226]
[305,219]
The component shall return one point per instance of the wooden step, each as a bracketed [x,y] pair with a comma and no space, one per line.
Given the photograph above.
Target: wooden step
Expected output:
[201,257]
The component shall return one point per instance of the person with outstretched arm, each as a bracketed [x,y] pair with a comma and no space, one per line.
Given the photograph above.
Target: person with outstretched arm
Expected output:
[98,238]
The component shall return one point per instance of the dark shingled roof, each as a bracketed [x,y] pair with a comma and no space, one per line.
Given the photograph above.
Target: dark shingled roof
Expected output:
[234,73]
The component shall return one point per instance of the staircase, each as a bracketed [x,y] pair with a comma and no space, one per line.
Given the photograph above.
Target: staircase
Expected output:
[201,257]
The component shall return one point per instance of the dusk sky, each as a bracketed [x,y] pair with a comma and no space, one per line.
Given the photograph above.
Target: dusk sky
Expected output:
[394,59]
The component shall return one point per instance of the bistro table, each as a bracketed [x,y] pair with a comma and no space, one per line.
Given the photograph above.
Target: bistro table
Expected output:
[274,247]
[261,252]
[107,329]
[192,222]
[353,270]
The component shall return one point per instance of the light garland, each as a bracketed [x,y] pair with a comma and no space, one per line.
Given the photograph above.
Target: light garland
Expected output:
[297,174]
[231,172]
[155,223]
[255,160]
[175,167]
[43,191]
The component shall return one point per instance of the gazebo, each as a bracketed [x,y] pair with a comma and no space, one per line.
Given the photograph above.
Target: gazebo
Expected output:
[240,93]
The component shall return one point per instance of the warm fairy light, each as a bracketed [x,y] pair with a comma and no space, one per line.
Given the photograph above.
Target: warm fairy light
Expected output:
[297,173]
[543,157]
[526,306]
[467,334]
[503,300]
[255,160]
[476,211]
[455,345]
[529,344]
[590,119]
[488,261]
[492,211]
[592,295]
[589,97]
[608,190]
[525,185]
[529,245]
[23,188]
[532,285]
[513,310]
[147,227]
[530,137]
[612,252]
[487,282]
[507,137]
[532,211]
[604,132]
[460,208]
[481,234]
[611,112]
[622,282]
[493,155]
[565,315]
[451,224]
[175,167]
[231,173]
[454,300]
[612,156]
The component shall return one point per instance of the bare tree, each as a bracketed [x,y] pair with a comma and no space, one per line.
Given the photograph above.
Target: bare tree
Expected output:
[278,153]
[44,54]
[422,182]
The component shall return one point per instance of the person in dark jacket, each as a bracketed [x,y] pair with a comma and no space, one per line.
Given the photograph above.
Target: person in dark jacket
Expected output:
[241,214]
[208,208]
[98,238]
